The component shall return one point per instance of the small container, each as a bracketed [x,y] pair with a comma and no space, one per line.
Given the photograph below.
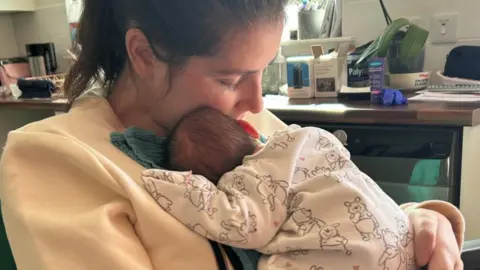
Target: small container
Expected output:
[376,97]
[376,73]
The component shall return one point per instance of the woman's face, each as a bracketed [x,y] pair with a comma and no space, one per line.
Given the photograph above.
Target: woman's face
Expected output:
[229,82]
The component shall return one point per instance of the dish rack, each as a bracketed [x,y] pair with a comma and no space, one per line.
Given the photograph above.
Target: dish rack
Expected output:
[58,80]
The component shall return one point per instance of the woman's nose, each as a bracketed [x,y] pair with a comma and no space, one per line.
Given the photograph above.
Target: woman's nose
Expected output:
[252,99]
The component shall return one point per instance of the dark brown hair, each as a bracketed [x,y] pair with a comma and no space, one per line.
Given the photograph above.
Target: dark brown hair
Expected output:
[208,143]
[180,28]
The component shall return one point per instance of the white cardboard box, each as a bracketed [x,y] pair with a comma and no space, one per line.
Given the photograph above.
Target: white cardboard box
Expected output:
[329,70]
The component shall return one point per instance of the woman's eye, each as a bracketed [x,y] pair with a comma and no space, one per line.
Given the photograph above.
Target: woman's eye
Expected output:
[230,84]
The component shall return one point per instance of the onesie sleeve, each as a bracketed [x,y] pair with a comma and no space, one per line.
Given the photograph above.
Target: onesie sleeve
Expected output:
[242,212]
[249,204]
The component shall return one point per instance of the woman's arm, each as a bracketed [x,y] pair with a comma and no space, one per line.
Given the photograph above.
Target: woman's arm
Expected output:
[66,206]
[57,216]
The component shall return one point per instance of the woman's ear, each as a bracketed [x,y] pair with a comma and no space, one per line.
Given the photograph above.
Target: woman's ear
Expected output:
[142,59]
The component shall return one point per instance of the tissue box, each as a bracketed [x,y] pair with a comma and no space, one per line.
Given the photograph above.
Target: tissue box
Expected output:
[329,70]
[299,77]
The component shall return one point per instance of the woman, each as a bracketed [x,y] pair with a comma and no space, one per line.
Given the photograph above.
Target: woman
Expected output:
[71,200]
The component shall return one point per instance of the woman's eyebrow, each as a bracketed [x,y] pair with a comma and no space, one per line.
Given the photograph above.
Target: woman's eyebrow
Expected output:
[236,71]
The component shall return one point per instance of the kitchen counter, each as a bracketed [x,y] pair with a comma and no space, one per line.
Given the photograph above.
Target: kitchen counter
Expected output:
[332,110]
[52,104]
[327,110]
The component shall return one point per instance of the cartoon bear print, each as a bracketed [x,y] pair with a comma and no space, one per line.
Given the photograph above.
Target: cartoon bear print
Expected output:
[330,239]
[392,257]
[323,142]
[280,139]
[158,175]
[199,229]
[335,160]
[365,223]
[163,201]
[411,261]
[342,176]
[238,186]
[297,251]
[277,190]
[304,172]
[317,171]
[306,222]
[200,192]
[237,232]
[406,237]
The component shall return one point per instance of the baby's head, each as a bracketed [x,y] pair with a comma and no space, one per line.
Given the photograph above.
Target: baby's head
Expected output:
[208,143]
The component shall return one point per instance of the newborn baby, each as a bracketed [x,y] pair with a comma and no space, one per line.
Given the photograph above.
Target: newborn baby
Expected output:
[208,143]
[299,199]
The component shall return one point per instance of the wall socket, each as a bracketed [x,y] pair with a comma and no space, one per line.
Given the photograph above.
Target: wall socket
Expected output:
[443,28]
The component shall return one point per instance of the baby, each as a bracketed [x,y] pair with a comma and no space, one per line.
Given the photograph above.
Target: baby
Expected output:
[208,143]
[299,199]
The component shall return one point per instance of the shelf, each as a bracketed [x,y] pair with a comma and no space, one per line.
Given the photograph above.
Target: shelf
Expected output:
[303,47]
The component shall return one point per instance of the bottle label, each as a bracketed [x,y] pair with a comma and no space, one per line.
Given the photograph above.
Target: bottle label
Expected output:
[376,72]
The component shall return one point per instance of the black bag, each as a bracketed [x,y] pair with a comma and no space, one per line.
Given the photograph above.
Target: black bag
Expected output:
[463,62]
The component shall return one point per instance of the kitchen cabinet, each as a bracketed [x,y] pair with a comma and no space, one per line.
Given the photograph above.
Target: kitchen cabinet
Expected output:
[17,5]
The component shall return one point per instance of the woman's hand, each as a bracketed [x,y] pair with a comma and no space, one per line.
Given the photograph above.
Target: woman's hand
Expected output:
[434,241]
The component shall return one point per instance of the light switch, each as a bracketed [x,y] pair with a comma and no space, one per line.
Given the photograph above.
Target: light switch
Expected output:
[443,28]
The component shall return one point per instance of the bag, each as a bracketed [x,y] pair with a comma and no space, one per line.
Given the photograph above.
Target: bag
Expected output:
[463,62]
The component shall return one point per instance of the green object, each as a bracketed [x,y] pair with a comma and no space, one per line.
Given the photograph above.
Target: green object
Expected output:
[425,177]
[426,173]
[143,146]
[412,44]
[6,258]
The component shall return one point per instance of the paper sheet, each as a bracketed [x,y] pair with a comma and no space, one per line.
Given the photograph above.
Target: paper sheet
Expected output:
[429,96]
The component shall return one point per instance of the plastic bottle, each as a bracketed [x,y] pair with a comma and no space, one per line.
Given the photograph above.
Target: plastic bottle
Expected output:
[73,15]
[274,80]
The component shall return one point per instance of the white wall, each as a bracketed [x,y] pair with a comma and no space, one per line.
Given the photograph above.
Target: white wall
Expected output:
[364,19]
[8,44]
[47,24]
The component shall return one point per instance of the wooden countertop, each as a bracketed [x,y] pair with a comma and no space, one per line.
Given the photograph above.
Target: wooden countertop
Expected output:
[329,110]
[54,104]
[332,110]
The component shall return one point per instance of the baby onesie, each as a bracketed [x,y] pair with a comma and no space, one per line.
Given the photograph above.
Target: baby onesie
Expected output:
[300,201]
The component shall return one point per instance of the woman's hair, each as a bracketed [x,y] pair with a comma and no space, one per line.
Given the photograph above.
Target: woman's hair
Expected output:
[176,30]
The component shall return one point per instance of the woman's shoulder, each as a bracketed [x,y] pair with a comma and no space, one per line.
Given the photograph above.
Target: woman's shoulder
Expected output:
[85,116]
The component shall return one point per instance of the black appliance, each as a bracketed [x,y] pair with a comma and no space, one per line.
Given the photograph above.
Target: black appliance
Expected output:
[35,53]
